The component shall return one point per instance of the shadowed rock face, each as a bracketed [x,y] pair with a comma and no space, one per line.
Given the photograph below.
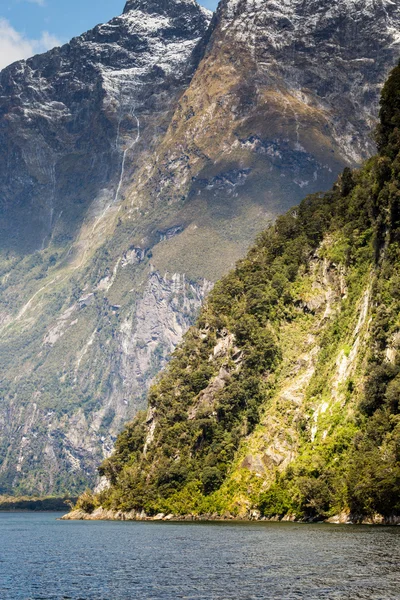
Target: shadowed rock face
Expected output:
[140,161]
[67,116]
[76,124]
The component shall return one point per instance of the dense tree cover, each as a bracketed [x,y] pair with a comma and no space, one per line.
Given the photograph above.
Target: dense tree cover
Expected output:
[221,379]
[366,476]
[195,441]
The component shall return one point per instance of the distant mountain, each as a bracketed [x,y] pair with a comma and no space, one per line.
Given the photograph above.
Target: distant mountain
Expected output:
[137,164]
[76,124]
[284,400]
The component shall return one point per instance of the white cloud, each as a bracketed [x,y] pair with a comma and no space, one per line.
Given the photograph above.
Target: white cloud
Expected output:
[15,46]
[39,2]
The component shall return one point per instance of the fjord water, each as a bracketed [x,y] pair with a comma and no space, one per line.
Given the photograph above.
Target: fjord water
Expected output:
[45,559]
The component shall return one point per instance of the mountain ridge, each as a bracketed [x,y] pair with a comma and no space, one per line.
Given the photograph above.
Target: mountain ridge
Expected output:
[98,147]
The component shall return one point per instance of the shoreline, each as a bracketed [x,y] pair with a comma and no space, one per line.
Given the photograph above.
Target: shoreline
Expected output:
[12,511]
[13,504]
[101,514]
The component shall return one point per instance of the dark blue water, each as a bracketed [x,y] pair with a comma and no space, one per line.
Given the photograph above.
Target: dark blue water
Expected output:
[45,559]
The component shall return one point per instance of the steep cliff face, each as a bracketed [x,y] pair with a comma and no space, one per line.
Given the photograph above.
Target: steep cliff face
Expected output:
[283,401]
[75,126]
[138,164]
[76,120]
[96,361]
[285,97]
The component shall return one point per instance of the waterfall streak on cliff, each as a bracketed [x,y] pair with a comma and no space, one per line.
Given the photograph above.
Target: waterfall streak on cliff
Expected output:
[121,178]
[130,147]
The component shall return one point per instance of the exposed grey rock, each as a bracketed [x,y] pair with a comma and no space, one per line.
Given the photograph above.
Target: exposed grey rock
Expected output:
[331,55]
[71,443]
[69,118]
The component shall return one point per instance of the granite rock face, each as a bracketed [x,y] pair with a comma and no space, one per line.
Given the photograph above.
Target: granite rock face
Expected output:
[95,363]
[73,118]
[294,87]
[137,164]
[333,56]
[76,124]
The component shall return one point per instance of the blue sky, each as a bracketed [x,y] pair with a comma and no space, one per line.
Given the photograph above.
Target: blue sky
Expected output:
[31,26]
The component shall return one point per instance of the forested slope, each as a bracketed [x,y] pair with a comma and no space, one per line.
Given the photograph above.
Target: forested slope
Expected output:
[284,399]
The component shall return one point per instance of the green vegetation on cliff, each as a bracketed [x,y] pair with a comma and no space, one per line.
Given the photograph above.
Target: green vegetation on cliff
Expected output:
[285,396]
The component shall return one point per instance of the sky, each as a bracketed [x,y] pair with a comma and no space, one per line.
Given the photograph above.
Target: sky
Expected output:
[28,27]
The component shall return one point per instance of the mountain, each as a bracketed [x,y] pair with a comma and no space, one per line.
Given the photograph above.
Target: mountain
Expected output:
[286,96]
[284,400]
[68,117]
[75,125]
[138,164]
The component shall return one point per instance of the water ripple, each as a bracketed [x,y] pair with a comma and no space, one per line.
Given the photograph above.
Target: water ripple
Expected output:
[45,559]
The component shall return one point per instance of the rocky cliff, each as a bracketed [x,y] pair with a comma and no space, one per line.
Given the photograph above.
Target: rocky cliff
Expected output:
[73,119]
[284,400]
[75,126]
[138,164]
[285,97]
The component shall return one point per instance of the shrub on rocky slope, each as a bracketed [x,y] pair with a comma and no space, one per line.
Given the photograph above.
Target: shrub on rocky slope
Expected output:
[284,398]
